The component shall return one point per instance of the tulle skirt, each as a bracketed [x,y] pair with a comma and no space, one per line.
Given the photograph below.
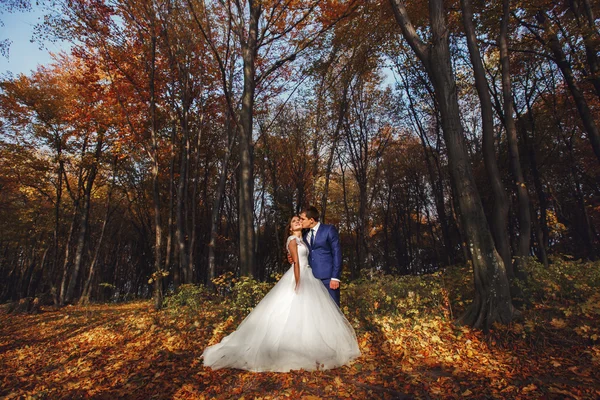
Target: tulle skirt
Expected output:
[289,330]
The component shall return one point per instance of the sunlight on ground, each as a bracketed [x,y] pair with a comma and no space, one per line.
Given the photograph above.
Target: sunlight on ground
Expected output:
[132,351]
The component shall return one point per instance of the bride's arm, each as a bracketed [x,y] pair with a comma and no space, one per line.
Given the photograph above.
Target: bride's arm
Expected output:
[293,249]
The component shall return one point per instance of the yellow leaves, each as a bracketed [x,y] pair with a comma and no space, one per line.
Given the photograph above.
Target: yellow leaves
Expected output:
[28,191]
[107,348]
[529,388]
[163,273]
[567,394]
[435,390]
[436,339]
[449,359]
[592,305]
[558,323]
[530,326]
[22,354]
[518,328]
[370,367]
[224,279]
[582,330]
[587,332]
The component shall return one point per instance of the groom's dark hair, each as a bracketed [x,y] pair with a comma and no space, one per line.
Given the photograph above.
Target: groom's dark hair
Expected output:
[311,212]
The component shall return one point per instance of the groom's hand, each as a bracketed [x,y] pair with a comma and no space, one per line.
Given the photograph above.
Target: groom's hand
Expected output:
[334,284]
[290,260]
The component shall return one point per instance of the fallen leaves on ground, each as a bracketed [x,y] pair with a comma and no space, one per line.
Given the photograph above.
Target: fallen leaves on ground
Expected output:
[131,351]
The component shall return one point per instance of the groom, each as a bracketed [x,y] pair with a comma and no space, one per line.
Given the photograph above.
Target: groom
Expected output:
[325,256]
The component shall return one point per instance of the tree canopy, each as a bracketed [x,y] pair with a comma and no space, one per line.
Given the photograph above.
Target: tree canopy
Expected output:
[176,139]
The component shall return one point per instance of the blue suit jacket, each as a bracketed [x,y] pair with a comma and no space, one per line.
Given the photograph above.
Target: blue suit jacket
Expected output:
[325,256]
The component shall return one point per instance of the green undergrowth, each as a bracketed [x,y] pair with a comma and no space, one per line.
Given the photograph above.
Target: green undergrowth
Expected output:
[562,281]
[566,290]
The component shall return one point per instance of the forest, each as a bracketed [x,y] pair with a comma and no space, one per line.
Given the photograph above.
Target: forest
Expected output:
[166,151]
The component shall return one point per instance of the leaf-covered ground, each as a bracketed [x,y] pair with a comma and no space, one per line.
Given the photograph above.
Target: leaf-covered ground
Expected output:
[410,348]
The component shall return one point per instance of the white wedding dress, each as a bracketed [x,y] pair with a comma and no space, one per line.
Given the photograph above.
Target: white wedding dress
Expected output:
[288,329]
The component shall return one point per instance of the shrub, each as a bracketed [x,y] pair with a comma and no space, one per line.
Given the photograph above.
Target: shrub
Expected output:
[397,295]
[192,296]
[572,280]
[247,292]
[236,295]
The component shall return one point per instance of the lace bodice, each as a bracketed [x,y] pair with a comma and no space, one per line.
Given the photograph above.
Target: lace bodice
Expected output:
[302,250]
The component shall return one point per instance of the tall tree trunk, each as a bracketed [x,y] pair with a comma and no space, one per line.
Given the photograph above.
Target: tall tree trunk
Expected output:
[334,141]
[354,267]
[436,183]
[362,231]
[180,231]
[246,146]
[582,224]
[30,263]
[540,223]
[87,287]
[583,11]
[448,219]
[62,293]
[169,265]
[37,275]
[259,273]
[387,265]
[57,205]
[513,150]
[438,194]
[194,203]
[492,295]
[500,207]
[81,242]
[78,196]
[565,68]
[216,207]
[83,230]
[158,272]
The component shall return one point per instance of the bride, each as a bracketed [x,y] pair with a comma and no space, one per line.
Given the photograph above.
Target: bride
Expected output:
[295,326]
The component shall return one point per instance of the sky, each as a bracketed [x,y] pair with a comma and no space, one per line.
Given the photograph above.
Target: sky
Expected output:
[24,55]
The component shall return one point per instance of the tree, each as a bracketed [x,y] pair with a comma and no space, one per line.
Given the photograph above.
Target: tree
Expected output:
[11,6]
[545,32]
[522,252]
[366,133]
[270,34]
[492,301]
[499,218]
[38,106]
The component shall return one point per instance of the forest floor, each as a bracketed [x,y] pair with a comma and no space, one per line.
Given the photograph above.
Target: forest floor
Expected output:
[410,349]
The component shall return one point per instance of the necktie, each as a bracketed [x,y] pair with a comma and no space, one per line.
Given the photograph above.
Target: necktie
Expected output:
[312,237]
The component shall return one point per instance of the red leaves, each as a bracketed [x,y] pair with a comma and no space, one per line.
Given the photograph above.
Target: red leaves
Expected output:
[130,351]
